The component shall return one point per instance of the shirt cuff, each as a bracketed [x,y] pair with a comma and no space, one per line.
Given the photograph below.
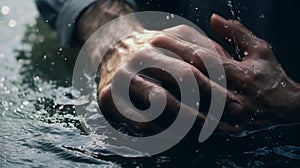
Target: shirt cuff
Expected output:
[67,17]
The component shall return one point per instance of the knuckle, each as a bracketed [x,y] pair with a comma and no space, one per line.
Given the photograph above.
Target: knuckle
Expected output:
[140,55]
[184,28]
[156,93]
[121,72]
[263,49]
[161,37]
[104,96]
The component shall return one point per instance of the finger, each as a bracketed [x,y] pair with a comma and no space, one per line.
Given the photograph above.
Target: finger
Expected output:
[190,53]
[193,36]
[111,113]
[235,72]
[142,89]
[181,70]
[236,33]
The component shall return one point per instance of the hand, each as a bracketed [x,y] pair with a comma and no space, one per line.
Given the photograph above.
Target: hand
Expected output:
[139,48]
[262,88]
[259,79]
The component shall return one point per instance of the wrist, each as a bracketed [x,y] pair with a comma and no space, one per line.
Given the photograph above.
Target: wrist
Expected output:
[121,52]
[98,14]
[292,111]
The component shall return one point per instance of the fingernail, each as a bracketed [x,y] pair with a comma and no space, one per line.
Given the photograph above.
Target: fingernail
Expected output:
[235,108]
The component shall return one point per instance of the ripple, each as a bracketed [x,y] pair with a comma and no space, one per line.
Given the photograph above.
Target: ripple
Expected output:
[292,152]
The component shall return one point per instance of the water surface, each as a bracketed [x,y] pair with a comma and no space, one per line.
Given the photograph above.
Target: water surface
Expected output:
[39,127]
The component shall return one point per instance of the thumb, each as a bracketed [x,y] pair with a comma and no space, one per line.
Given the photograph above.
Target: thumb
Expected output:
[235,33]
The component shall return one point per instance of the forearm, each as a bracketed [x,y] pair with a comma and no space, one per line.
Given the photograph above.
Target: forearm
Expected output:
[100,13]
[111,36]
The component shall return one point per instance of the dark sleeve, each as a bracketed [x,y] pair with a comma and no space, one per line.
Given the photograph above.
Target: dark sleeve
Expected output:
[62,15]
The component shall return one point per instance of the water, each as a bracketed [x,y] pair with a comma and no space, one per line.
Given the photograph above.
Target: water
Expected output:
[39,127]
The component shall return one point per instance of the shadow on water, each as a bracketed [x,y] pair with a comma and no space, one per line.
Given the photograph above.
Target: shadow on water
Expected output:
[47,71]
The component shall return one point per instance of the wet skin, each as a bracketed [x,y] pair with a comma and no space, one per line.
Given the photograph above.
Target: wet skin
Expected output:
[259,93]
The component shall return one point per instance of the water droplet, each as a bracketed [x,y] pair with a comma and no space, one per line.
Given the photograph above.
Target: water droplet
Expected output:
[262,16]
[197,104]
[60,49]
[192,62]
[226,25]
[283,84]
[61,107]
[25,103]
[69,25]
[5,10]
[180,79]
[12,23]
[246,53]
[47,21]
[229,40]
[2,56]
[141,63]
[15,89]
[36,78]
[196,8]
[172,15]
[2,79]
[167,17]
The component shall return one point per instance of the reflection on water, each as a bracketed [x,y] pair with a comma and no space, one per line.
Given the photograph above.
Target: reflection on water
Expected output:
[39,127]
